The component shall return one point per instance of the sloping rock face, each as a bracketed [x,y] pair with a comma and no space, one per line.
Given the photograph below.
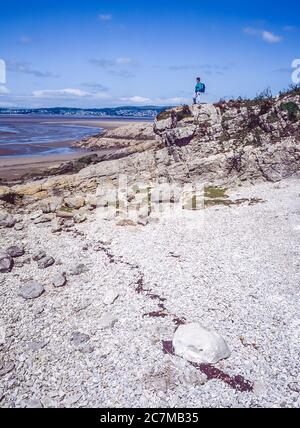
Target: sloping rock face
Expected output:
[135,137]
[221,144]
[235,141]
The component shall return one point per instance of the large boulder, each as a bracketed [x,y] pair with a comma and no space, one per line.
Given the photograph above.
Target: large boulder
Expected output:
[198,345]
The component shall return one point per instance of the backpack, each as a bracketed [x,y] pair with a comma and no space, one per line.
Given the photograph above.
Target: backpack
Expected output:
[203,88]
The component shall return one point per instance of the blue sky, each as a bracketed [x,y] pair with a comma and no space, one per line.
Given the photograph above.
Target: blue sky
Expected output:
[110,53]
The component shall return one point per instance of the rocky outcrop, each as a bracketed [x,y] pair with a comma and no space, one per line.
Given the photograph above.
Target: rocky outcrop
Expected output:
[225,143]
[134,138]
[235,141]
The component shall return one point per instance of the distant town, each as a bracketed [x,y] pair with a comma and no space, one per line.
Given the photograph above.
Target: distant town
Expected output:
[135,112]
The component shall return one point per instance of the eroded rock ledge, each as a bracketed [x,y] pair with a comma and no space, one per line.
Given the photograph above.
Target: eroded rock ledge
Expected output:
[226,143]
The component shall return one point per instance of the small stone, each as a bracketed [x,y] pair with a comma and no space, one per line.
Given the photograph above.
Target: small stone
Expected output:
[56,227]
[126,222]
[43,219]
[73,399]
[61,215]
[198,345]
[19,227]
[6,220]
[78,270]
[38,256]
[36,346]
[143,221]
[76,202]
[6,368]
[59,280]
[36,215]
[31,290]
[34,404]
[107,321]
[46,262]
[6,263]
[294,386]
[80,218]
[79,338]
[50,205]
[18,264]
[110,297]
[15,251]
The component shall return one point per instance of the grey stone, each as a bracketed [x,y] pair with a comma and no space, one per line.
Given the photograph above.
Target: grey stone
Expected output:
[31,290]
[43,219]
[38,256]
[15,251]
[34,404]
[75,202]
[79,338]
[294,386]
[6,263]
[19,226]
[6,220]
[143,221]
[78,270]
[46,262]
[36,346]
[59,280]
[80,218]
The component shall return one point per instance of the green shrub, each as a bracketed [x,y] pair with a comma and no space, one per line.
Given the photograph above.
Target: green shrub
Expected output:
[292,109]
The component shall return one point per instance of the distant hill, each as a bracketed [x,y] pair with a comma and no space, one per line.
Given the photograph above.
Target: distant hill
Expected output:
[136,112]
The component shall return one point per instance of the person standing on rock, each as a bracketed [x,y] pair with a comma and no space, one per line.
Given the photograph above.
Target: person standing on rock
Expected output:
[199,89]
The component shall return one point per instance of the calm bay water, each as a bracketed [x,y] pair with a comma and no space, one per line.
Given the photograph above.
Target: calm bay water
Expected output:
[27,136]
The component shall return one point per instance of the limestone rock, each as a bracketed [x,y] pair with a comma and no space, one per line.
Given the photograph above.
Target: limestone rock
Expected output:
[6,263]
[78,269]
[31,290]
[6,220]
[15,251]
[79,338]
[39,255]
[46,262]
[75,202]
[196,344]
[59,281]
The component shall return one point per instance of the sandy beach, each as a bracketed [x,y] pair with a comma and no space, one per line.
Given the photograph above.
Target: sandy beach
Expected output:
[14,167]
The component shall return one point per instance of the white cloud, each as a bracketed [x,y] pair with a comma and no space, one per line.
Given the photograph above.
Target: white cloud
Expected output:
[70,93]
[267,36]
[105,17]
[101,96]
[136,99]
[4,90]
[54,93]
[270,37]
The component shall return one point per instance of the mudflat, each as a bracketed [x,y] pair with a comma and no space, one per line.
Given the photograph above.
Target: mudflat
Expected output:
[13,167]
